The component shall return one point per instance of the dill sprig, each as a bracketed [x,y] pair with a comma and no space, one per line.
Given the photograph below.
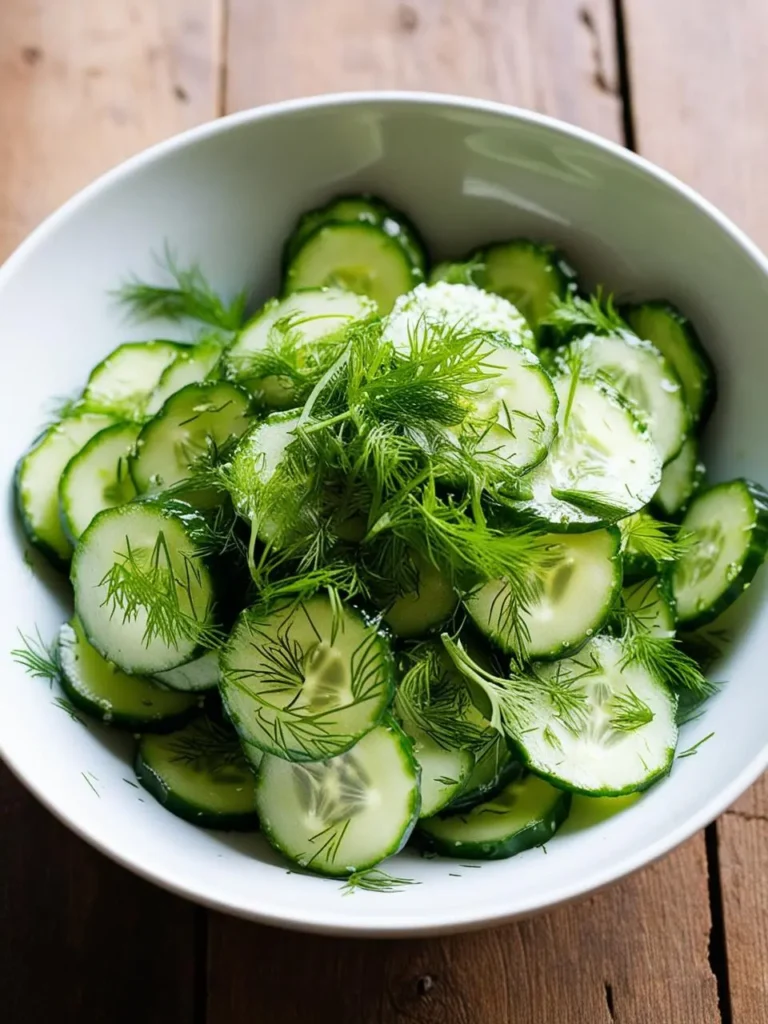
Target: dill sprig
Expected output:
[207,746]
[436,700]
[663,658]
[644,535]
[38,659]
[149,584]
[694,748]
[187,296]
[628,711]
[573,314]
[375,880]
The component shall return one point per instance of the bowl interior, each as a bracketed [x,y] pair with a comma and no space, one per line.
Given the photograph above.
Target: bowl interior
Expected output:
[227,195]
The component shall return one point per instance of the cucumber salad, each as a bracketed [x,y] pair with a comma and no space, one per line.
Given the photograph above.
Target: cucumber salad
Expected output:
[410,553]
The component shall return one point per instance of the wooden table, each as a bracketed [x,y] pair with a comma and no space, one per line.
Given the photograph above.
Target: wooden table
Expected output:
[85,83]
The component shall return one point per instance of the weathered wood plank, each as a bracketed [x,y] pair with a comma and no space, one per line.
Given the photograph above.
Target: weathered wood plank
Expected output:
[557,56]
[81,87]
[638,952]
[699,85]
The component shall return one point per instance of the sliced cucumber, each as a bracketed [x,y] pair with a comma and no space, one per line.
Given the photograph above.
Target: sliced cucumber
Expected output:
[680,480]
[469,272]
[360,257]
[426,608]
[192,366]
[122,384]
[306,681]
[651,606]
[365,209]
[495,767]
[199,773]
[644,378]
[602,466]
[254,463]
[444,770]
[345,814]
[99,688]
[577,595]
[142,592]
[37,481]
[673,335]
[515,413]
[526,813]
[444,306]
[97,477]
[528,275]
[725,538]
[302,322]
[597,723]
[195,422]
[194,677]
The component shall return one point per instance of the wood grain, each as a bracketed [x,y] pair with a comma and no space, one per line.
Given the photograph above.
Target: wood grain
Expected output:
[638,953]
[699,87]
[557,56]
[635,954]
[83,85]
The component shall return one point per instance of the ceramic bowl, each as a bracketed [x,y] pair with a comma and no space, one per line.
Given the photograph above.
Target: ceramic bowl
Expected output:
[227,194]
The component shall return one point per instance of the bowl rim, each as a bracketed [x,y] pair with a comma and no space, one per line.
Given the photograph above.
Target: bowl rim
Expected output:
[440,923]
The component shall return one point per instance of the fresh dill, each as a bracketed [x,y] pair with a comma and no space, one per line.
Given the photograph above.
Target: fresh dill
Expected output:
[375,880]
[151,584]
[209,747]
[68,708]
[86,775]
[629,712]
[690,751]
[186,296]
[664,659]
[575,314]
[645,536]
[38,659]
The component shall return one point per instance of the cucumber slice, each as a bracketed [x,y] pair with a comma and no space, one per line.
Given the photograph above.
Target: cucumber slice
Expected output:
[651,606]
[494,768]
[199,773]
[526,813]
[304,322]
[254,463]
[359,257]
[196,421]
[725,538]
[597,723]
[99,688]
[468,272]
[515,411]
[680,480]
[192,366]
[444,770]
[457,306]
[602,466]
[365,209]
[194,677]
[346,814]
[122,384]
[97,477]
[644,378]
[427,607]
[673,335]
[142,591]
[577,595]
[306,681]
[37,481]
[528,275]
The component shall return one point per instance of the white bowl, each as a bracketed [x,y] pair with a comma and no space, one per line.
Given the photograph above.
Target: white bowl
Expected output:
[227,194]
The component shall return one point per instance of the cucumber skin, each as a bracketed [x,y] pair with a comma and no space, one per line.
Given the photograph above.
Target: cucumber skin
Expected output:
[406,750]
[53,557]
[380,212]
[535,834]
[465,801]
[754,558]
[182,808]
[708,374]
[129,723]
[641,787]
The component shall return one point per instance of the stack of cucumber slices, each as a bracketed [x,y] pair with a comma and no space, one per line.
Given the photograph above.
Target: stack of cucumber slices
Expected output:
[405,556]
